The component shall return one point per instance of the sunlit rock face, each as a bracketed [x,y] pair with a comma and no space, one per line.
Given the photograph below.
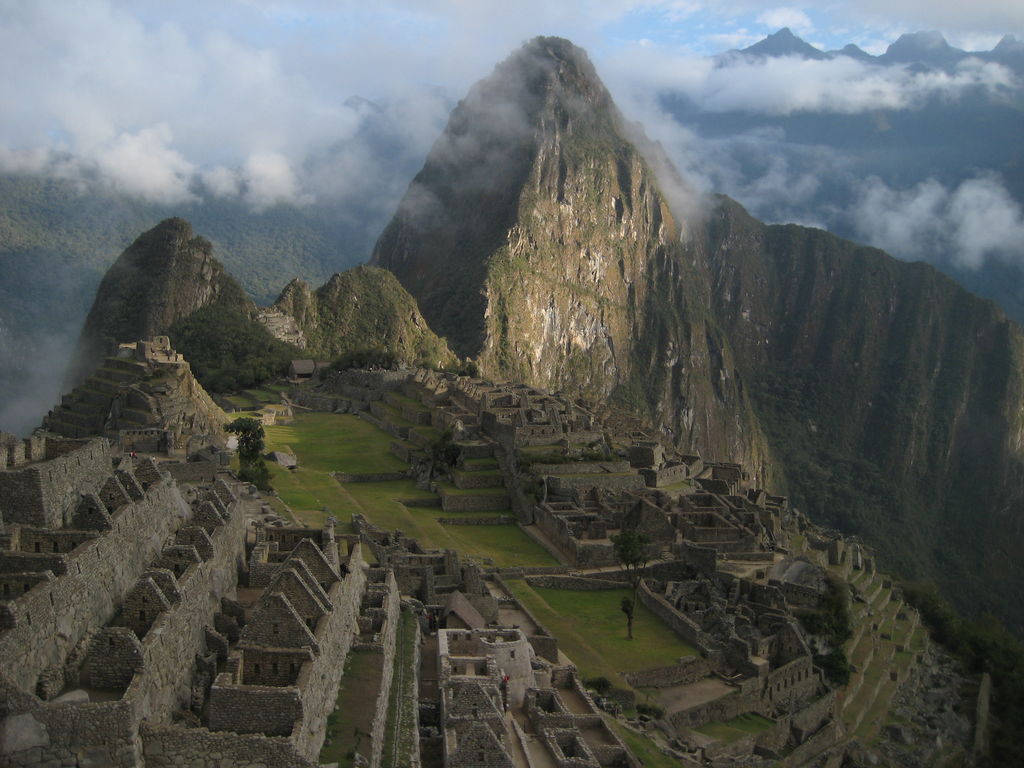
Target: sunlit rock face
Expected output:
[538,238]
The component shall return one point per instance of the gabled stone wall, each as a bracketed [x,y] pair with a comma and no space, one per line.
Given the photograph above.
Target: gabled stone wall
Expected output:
[44,493]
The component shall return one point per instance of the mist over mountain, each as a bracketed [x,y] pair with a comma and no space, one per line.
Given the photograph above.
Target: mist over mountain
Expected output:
[916,150]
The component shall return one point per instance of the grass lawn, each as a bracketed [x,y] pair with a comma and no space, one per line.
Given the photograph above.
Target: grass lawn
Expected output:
[649,754]
[729,731]
[331,442]
[348,726]
[400,734]
[591,630]
[450,490]
[308,492]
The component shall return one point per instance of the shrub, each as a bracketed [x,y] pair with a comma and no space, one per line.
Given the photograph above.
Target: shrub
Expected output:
[650,710]
[601,685]
[835,665]
[373,357]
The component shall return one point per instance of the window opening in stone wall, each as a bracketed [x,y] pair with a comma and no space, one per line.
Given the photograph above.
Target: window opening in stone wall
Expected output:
[273,628]
[37,546]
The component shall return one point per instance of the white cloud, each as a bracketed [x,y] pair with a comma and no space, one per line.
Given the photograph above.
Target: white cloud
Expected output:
[975,221]
[144,164]
[794,18]
[269,180]
[782,86]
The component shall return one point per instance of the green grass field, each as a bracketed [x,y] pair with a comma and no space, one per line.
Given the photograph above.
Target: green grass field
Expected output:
[728,731]
[331,442]
[647,751]
[591,630]
[349,725]
[326,443]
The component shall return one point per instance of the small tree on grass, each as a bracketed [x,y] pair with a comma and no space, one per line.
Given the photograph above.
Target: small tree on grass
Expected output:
[631,552]
[251,467]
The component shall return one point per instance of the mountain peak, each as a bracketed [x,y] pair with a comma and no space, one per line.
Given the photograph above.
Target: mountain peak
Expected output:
[925,47]
[162,277]
[541,100]
[784,43]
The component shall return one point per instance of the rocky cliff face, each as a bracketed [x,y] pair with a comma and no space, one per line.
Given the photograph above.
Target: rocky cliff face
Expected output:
[894,397]
[361,308]
[164,276]
[537,237]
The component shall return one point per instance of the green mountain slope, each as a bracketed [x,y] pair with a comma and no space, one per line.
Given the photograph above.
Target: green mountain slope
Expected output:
[893,396]
[364,307]
[162,277]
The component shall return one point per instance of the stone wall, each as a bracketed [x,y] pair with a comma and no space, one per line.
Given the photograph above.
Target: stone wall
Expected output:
[575,583]
[368,477]
[174,747]
[566,484]
[497,520]
[73,734]
[335,634]
[725,708]
[689,670]
[581,468]
[152,676]
[490,502]
[170,646]
[684,627]
[44,494]
[820,741]
[192,472]
[255,709]
[392,604]
[45,623]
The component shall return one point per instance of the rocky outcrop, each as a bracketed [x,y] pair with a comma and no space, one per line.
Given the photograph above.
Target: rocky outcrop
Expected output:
[537,237]
[164,276]
[142,397]
[362,308]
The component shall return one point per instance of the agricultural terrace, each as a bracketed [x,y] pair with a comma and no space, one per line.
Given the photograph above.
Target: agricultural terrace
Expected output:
[326,443]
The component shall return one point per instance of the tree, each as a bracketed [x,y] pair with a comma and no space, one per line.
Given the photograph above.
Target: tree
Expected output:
[631,552]
[443,454]
[250,438]
[251,467]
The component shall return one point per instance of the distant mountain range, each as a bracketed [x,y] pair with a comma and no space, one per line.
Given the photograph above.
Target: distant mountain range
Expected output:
[928,49]
[937,176]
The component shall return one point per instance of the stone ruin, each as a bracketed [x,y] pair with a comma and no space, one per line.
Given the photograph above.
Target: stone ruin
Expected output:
[138,628]
[145,399]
